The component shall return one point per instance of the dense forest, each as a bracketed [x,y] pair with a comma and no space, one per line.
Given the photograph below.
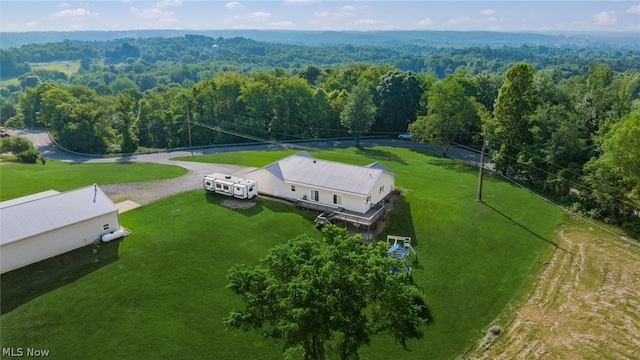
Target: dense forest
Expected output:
[563,121]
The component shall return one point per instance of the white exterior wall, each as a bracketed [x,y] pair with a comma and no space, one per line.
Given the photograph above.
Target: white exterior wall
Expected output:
[385,179]
[273,186]
[55,242]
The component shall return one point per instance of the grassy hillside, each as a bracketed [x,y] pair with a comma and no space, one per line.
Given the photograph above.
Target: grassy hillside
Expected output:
[164,296]
[18,179]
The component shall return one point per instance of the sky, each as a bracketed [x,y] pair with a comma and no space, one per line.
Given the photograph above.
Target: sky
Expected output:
[359,15]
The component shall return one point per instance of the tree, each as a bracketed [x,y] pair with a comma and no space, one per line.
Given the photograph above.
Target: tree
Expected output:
[614,177]
[326,297]
[398,95]
[359,113]
[125,110]
[21,147]
[515,104]
[450,113]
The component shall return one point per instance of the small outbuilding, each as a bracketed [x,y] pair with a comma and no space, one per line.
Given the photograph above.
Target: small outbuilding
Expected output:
[50,223]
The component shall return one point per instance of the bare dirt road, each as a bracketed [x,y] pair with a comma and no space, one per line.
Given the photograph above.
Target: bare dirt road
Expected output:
[584,303]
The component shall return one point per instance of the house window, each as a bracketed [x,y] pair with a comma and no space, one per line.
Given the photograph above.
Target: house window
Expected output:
[368,199]
[337,199]
[314,195]
[381,189]
[293,188]
[105,226]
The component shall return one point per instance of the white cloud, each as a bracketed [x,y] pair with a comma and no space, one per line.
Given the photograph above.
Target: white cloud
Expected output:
[369,22]
[258,15]
[487,12]
[32,24]
[345,11]
[153,13]
[634,10]
[426,21]
[459,20]
[295,2]
[492,19]
[233,5]
[79,12]
[167,3]
[321,14]
[605,18]
[64,5]
[280,25]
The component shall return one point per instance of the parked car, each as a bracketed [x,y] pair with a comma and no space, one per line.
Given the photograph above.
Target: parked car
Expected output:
[405,136]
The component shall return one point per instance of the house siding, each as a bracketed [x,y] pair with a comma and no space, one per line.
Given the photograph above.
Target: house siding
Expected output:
[269,184]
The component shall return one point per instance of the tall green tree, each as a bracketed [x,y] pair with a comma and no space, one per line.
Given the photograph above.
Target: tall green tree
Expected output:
[515,103]
[359,113]
[614,177]
[450,114]
[398,98]
[327,297]
[128,119]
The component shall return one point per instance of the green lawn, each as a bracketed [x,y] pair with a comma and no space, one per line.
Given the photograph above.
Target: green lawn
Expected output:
[18,179]
[164,297]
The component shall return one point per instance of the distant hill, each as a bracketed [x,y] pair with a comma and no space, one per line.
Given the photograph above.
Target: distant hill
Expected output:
[447,39]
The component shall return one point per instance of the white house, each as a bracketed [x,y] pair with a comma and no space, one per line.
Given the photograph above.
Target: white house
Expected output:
[348,192]
[50,223]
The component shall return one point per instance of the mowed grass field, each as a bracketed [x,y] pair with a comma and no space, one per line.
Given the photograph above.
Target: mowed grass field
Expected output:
[165,296]
[18,179]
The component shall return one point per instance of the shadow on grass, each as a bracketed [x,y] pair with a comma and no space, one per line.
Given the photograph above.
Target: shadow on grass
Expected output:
[526,228]
[377,153]
[245,207]
[400,222]
[27,283]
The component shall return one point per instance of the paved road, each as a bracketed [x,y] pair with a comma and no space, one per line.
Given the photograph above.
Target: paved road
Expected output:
[146,192]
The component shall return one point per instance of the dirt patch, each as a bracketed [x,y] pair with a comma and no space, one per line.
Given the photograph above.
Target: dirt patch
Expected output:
[584,303]
[238,204]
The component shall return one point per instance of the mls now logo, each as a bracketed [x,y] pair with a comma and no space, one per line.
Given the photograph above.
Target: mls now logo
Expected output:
[28,352]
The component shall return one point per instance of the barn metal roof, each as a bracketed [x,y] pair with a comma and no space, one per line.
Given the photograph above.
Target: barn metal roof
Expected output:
[304,169]
[32,215]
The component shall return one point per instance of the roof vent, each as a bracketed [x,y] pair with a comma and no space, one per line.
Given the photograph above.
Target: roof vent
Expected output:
[314,161]
[227,177]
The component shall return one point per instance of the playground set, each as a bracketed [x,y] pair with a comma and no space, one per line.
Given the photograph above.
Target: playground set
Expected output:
[399,250]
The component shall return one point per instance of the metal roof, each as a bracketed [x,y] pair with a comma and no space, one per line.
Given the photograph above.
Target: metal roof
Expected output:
[33,215]
[303,169]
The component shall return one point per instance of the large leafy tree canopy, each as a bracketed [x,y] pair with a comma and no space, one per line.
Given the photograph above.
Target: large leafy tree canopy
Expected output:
[327,297]
[515,104]
[359,113]
[450,113]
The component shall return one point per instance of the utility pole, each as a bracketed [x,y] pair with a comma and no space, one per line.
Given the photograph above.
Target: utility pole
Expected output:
[188,124]
[481,176]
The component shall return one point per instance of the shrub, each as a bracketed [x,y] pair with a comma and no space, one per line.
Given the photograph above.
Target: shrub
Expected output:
[29,156]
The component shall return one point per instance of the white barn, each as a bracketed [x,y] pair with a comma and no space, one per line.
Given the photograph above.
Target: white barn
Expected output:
[347,192]
[50,223]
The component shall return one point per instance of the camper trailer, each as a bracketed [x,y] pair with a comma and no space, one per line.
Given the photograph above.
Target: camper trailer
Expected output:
[230,185]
